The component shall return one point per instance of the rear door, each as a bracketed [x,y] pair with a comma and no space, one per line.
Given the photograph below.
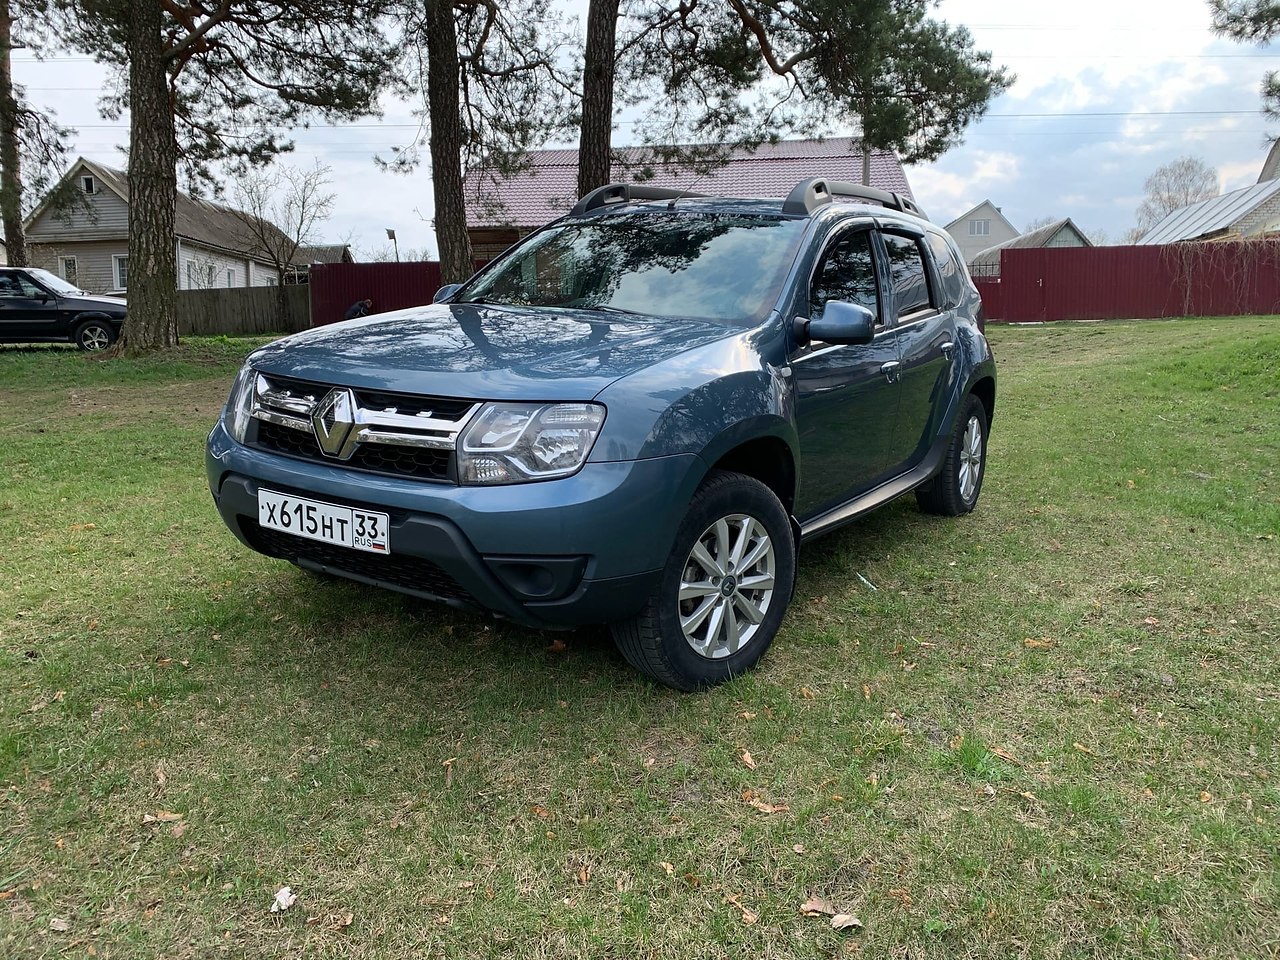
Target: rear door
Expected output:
[926,342]
[27,309]
[846,396]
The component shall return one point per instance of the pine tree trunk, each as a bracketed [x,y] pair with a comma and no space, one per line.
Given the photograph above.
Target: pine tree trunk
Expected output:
[152,322]
[10,160]
[446,142]
[595,140]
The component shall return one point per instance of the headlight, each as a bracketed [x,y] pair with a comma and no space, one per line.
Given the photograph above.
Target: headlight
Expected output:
[239,404]
[520,442]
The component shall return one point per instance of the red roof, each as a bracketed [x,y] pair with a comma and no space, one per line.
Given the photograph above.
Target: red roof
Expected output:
[548,187]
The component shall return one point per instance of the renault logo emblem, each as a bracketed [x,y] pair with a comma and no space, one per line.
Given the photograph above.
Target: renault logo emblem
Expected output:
[333,422]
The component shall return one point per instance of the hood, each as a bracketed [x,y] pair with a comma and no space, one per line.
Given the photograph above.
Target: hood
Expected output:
[485,352]
[91,301]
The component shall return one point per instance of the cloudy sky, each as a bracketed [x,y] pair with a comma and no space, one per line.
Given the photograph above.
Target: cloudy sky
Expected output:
[1106,92]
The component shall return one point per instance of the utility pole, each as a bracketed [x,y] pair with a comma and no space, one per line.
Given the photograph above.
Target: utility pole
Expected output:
[391,234]
[10,160]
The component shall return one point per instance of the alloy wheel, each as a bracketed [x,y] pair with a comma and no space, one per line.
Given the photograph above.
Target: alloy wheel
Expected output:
[970,459]
[727,586]
[95,338]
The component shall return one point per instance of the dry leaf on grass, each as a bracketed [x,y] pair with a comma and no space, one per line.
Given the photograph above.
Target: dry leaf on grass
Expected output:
[541,811]
[1040,643]
[1206,796]
[845,921]
[1083,749]
[556,646]
[1004,754]
[747,760]
[806,693]
[667,867]
[764,807]
[749,916]
[798,848]
[161,816]
[747,715]
[817,907]
[57,923]
[178,829]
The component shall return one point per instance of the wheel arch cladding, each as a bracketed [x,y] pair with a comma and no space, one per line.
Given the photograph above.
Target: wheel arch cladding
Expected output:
[769,459]
[985,390]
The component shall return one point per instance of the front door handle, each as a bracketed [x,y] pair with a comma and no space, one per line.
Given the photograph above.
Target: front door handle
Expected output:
[891,371]
[948,349]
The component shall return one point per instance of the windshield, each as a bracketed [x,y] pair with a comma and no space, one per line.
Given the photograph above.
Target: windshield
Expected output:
[667,264]
[53,282]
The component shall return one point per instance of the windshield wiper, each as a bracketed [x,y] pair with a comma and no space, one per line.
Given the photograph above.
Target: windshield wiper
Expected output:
[605,308]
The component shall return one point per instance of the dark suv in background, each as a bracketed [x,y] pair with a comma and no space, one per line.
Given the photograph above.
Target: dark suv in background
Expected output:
[37,306]
[634,416]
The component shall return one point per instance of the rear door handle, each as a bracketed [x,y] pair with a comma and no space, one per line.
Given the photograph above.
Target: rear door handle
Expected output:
[948,349]
[891,371]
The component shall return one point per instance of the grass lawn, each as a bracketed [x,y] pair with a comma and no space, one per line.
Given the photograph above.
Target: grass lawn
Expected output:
[1052,731]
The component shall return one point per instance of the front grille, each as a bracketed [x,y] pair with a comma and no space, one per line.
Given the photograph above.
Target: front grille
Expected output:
[418,462]
[411,573]
[442,408]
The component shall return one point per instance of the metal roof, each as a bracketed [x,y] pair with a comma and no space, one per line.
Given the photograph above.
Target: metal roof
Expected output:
[548,186]
[1030,240]
[1210,216]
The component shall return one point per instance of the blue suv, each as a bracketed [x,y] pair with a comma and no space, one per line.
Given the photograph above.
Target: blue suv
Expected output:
[635,416]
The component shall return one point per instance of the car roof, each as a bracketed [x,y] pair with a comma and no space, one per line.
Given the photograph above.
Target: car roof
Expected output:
[768,206]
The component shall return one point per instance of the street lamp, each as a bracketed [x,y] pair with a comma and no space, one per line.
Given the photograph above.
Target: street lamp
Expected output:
[391,235]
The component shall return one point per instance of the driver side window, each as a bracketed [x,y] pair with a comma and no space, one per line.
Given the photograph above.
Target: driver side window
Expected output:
[848,273]
[15,285]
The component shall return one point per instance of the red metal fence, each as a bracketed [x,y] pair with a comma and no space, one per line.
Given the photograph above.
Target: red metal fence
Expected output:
[1117,283]
[391,286]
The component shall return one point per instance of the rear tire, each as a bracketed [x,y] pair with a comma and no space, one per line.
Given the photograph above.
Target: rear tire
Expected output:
[723,591]
[955,488]
[94,336]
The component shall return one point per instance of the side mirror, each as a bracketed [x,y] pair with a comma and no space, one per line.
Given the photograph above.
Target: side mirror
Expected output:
[843,323]
[445,292]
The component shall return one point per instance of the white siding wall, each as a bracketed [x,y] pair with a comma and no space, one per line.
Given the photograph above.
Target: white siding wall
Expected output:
[201,259]
[107,217]
[972,245]
[93,261]
[264,275]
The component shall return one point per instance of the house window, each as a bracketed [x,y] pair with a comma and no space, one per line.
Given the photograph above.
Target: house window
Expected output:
[979,228]
[70,270]
[200,276]
[120,265]
[231,278]
[89,184]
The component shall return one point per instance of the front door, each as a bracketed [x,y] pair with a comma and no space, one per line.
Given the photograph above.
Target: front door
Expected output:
[846,396]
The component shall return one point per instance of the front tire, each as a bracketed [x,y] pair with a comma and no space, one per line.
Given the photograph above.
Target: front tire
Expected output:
[93,336]
[954,489]
[723,591]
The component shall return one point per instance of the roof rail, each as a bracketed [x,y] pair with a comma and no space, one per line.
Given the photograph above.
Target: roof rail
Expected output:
[810,194]
[625,193]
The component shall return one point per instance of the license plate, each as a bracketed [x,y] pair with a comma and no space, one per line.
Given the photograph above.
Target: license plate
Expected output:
[326,522]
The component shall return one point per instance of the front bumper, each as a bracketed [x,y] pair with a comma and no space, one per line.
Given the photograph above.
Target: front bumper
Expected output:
[585,549]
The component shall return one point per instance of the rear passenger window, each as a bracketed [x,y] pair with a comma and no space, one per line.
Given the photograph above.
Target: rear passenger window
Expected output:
[948,270]
[847,273]
[906,270]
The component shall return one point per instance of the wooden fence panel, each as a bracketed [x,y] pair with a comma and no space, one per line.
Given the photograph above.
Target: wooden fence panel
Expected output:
[242,310]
